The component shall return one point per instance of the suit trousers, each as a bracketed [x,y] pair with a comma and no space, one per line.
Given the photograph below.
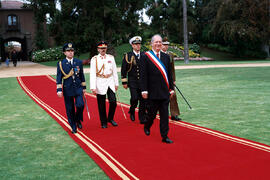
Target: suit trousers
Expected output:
[74,115]
[162,106]
[136,97]
[174,109]
[101,100]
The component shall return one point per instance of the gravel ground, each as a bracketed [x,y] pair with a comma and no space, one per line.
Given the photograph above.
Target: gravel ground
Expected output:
[26,68]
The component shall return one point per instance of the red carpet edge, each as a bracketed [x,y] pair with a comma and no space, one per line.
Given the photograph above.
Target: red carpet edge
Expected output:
[119,169]
[113,168]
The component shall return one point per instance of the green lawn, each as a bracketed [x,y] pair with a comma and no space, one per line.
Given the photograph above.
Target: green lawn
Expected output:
[33,146]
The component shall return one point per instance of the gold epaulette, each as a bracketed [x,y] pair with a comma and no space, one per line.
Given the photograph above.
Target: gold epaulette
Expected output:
[71,72]
[131,62]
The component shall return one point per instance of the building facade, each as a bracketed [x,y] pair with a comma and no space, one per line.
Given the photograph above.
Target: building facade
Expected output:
[17,24]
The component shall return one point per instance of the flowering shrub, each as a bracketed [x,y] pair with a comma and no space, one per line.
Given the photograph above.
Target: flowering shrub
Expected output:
[181,48]
[177,47]
[51,54]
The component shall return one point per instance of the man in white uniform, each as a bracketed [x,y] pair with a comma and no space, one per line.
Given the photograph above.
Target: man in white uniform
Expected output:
[104,80]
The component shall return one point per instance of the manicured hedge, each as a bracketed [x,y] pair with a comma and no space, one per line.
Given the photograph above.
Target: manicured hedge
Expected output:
[51,54]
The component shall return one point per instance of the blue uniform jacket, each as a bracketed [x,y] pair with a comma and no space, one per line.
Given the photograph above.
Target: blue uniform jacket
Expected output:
[71,85]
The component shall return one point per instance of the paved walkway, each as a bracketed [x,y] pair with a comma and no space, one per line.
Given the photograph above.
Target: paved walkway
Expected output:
[26,68]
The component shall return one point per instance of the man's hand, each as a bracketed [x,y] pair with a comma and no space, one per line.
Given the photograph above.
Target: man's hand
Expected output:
[125,86]
[171,94]
[84,91]
[94,91]
[60,94]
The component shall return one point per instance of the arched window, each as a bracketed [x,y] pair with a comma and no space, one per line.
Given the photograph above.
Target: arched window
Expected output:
[12,20]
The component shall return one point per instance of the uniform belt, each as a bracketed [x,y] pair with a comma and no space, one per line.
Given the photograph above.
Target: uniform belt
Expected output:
[104,76]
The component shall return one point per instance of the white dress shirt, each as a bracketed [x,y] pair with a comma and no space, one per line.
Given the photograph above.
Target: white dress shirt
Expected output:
[70,61]
[137,54]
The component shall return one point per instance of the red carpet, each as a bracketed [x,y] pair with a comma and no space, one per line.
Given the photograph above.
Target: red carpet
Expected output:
[125,152]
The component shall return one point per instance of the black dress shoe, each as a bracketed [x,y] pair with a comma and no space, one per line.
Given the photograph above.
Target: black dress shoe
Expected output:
[146,131]
[104,126]
[176,118]
[113,123]
[132,117]
[79,125]
[167,140]
[74,131]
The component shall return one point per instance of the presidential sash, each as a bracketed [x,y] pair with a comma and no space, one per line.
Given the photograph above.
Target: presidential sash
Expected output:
[158,63]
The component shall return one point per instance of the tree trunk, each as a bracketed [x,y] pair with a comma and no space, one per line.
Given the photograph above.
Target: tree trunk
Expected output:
[186,55]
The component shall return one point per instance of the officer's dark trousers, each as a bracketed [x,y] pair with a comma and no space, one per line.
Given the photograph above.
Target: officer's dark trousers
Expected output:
[162,106]
[74,116]
[101,100]
[136,97]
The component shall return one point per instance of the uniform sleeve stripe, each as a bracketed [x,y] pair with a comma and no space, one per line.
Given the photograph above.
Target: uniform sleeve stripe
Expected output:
[124,80]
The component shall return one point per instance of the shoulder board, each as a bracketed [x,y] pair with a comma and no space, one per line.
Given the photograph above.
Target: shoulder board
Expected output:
[94,56]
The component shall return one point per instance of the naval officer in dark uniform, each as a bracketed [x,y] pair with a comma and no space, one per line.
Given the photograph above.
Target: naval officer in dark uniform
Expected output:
[71,84]
[130,74]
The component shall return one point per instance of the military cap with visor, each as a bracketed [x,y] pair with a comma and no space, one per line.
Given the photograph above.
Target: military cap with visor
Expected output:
[102,44]
[68,46]
[135,40]
[165,41]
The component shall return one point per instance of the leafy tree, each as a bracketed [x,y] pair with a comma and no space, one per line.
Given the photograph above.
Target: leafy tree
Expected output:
[87,22]
[241,24]
[167,19]
[41,8]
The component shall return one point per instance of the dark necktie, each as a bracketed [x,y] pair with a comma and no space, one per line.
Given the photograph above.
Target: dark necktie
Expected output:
[158,55]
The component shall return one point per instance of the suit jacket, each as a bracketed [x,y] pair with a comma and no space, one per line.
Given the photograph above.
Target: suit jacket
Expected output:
[72,85]
[172,65]
[152,80]
[107,67]
[130,71]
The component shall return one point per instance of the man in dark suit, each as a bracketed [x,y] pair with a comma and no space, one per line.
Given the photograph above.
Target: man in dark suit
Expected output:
[70,83]
[130,75]
[157,86]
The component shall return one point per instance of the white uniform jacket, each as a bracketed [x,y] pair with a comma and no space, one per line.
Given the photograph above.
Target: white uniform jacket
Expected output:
[103,73]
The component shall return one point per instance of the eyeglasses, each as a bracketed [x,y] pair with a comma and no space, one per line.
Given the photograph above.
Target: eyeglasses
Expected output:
[70,50]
